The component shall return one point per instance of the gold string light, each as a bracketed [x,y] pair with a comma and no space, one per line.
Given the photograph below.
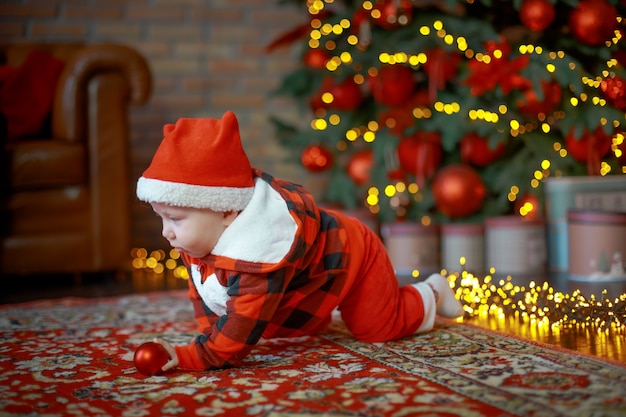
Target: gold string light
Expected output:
[158,262]
[537,304]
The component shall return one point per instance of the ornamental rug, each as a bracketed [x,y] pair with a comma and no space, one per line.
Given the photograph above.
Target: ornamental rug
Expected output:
[73,357]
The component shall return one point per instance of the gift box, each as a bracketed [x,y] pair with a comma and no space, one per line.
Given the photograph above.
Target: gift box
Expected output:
[516,247]
[597,251]
[413,249]
[592,193]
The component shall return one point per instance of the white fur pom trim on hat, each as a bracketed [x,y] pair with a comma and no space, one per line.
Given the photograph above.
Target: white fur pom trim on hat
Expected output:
[198,196]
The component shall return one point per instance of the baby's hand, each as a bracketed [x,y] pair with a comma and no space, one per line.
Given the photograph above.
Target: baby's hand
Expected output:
[173,362]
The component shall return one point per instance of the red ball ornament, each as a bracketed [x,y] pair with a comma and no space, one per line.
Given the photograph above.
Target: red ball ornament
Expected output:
[420,154]
[613,89]
[592,22]
[343,95]
[458,190]
[316,58]
[390,14]
[536,14]
[316,158]
[347,95]
[360,165]
[530,105]
[399,118]
[393,85]
[441,66]
[149,358]
[588,147]
[475,150]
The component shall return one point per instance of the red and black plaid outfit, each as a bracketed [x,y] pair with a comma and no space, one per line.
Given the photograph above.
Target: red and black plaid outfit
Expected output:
[245,290]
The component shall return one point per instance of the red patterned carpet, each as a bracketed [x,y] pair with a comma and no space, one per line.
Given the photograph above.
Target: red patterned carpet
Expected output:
[73,356]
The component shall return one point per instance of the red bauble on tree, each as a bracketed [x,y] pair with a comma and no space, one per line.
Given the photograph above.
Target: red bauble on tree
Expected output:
[589,145]
[475,150]
[347,95]
[399,118]
[360,165]
[420,154]
[343,95]
[442,64]
[316,58]
[458,191]
[589,148]
[393,85]
[390,14]
[441,67]
[613,89]
[593,22]
[536,14]
[316,158]
[530,105]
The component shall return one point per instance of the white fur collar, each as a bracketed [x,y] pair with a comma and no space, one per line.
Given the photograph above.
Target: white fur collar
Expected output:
[214,294]
[263,232]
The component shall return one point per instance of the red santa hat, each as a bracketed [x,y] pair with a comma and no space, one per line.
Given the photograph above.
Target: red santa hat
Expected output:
[200,163]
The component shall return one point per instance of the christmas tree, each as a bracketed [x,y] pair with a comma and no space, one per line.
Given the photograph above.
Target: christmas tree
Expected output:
[455,110]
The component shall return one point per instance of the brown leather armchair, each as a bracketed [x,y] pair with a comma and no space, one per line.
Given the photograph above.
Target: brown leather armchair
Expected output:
[66,201]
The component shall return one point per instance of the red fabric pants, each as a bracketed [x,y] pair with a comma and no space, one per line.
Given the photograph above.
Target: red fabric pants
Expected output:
[376,308]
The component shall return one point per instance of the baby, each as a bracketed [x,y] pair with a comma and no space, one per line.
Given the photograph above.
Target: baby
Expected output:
[264,259]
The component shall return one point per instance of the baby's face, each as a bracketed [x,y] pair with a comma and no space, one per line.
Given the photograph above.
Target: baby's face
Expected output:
[190,230]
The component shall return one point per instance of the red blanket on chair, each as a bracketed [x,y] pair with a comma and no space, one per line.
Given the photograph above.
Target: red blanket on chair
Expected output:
[27,93]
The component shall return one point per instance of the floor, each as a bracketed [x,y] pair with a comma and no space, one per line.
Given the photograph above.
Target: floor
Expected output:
[608,345]
[22,289]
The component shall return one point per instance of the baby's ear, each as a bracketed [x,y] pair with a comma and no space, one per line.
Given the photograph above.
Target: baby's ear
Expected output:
[230,216]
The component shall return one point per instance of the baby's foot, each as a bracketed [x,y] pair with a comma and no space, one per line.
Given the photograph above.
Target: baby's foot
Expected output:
[447,304]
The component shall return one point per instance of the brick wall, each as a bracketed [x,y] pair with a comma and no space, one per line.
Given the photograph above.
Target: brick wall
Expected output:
[207,56]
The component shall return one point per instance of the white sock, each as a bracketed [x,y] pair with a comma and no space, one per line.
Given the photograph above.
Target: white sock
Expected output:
[447,304]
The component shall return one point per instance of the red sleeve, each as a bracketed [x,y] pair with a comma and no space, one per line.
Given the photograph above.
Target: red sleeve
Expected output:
[227,339]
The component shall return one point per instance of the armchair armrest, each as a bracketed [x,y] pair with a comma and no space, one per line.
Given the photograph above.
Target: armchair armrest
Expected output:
[70,106]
